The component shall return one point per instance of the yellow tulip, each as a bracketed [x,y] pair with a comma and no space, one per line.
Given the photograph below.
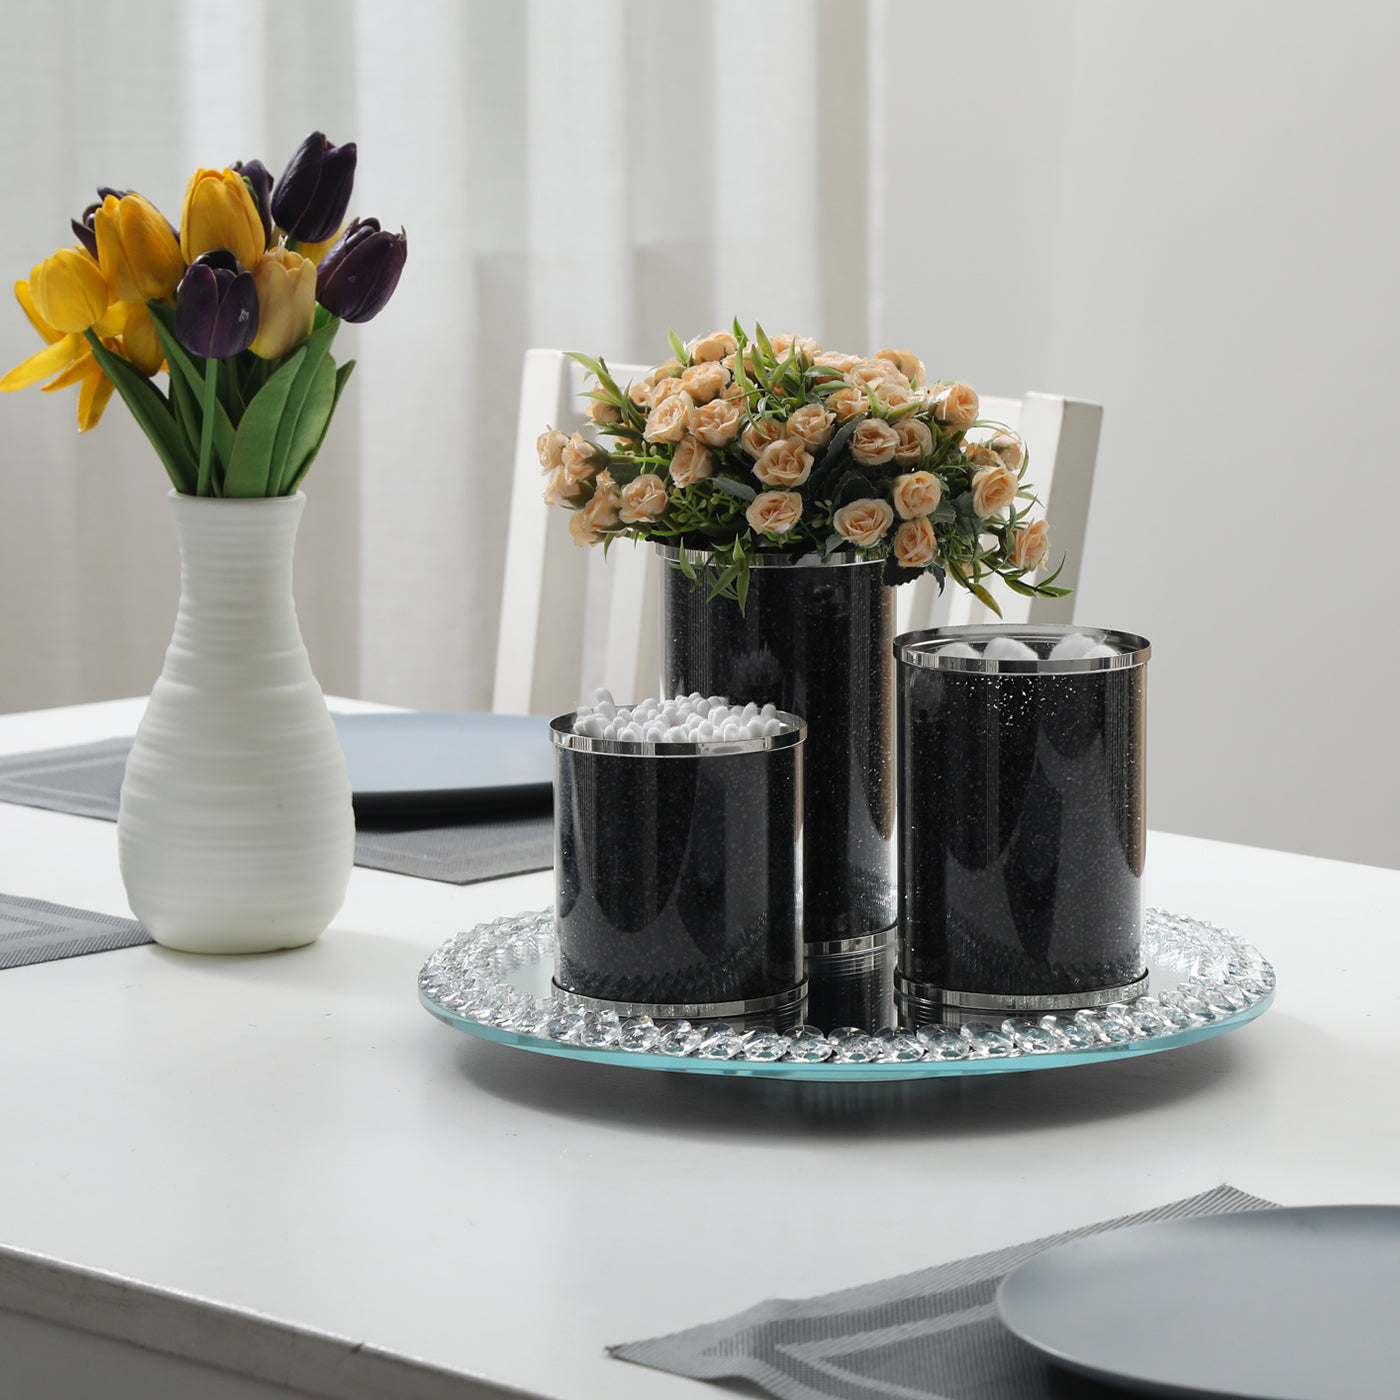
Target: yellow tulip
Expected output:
[219,213]
[69,290]
[137,249]
[139,342]
[317,251]
[67,355]
[286,284]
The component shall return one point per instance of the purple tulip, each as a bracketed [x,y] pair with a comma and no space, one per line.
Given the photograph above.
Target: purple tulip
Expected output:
[83,228]
[311,198]
[258,178]
[358,276]
[216,306]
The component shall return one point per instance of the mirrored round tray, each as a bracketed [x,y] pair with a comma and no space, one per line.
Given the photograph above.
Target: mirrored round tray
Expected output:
[494,982]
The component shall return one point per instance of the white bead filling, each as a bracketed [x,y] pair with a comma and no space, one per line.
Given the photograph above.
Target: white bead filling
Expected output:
[684,719]
[1077,646]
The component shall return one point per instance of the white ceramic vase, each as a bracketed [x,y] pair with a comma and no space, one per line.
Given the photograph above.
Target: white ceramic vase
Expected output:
[236,833]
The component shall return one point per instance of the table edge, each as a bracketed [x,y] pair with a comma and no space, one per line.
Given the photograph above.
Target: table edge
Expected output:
[227,1338]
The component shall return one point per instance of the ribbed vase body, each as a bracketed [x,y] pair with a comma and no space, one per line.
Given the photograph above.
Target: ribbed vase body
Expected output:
[236,833]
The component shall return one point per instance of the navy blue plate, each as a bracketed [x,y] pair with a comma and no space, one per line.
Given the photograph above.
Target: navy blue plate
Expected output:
[437,761]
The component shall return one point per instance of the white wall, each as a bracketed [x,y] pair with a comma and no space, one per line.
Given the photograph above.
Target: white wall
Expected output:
[1188,214]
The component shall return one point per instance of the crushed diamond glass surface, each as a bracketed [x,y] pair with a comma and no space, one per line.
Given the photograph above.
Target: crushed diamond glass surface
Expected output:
[680,1038]
[943,1043]
[720,1041]
[852,1046]
[764,1043]
[1202,979]
[639,1033]
[898,1046]
[809,1046]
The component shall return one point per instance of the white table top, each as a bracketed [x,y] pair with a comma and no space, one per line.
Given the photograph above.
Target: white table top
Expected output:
[293,1135]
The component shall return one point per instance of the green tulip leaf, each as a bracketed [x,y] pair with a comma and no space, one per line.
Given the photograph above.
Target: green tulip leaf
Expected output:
[187,387]
[342,374]
[250,462]
[292,442]
[310,425]
[152,412]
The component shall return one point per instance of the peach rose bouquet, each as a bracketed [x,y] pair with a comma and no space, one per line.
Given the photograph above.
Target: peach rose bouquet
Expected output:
[741,446]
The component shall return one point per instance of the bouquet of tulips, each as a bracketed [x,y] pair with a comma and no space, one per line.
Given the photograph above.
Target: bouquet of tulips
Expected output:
[739,446]
[239,307]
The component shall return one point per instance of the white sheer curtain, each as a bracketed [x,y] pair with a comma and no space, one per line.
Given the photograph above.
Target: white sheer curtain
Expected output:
[1181,212]
[571,175]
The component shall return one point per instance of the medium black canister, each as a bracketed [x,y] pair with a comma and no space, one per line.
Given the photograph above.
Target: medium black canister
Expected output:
[1022,834]
[678,875]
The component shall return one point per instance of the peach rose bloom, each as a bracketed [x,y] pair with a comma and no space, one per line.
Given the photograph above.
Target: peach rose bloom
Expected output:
[812,425]
[915,545]
[978,454]
[1010,448]
[668,417]
[560,491]
[581,458]
[639,391]
[915,442]
[579,529]
[762,433]
[875,373]
[664,388]
[1031,546]
[993,489]
[910,366]
[601,513]
[834,359]
[716,424]
[805,345]
[774,512]
[864,522]
[693,462]
[784,463]
[734,390]
[848,403]
[600,411]
[874,443]
[917,493]
[550,445]
[957,406]
[704,382]
[643,498]
[714,346]
[892,395]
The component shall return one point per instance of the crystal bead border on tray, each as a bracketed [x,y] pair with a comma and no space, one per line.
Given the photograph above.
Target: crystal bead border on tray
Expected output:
[1202,982]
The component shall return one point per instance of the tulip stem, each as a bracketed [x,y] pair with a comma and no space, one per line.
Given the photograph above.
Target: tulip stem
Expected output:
[206,432]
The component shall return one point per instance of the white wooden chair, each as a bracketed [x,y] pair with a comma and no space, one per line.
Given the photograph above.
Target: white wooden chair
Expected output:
[572,621]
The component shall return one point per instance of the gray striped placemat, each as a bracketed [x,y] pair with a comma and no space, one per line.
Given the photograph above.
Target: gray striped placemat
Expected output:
[86,781]
[930,1335]
[32,930]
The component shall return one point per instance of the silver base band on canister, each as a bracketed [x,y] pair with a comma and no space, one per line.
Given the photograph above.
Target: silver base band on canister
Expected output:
[848,981]
[780,1012]
[922,1004]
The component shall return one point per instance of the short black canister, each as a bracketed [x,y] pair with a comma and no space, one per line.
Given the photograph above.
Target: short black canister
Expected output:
[678,876]
[1022,833]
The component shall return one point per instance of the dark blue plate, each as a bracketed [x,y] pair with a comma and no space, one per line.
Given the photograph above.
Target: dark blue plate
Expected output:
[440,761]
